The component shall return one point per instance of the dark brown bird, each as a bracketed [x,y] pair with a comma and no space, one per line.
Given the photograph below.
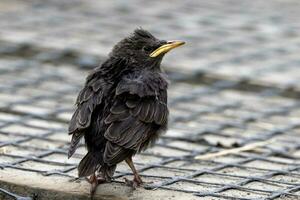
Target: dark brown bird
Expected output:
[122,108]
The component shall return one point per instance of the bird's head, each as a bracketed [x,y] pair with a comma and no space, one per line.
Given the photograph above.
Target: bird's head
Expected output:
[142,49]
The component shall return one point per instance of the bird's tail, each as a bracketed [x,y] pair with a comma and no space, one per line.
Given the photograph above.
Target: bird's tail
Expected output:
[89,163]
[108,171]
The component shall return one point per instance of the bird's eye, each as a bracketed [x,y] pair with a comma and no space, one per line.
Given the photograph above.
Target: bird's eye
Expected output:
[147,48]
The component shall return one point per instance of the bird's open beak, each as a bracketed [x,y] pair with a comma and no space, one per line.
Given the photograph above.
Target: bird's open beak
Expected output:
[166,47]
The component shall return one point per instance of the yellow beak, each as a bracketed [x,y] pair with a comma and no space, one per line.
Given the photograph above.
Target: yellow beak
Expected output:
[166,47]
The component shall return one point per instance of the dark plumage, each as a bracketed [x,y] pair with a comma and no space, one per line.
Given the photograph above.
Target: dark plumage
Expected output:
[122,108]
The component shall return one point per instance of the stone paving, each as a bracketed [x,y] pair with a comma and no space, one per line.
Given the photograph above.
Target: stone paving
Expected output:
[35,109]
[234,134]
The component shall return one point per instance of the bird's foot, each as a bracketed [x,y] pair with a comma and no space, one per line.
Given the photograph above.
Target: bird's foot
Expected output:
[135,183]
[95,181]
[92,178]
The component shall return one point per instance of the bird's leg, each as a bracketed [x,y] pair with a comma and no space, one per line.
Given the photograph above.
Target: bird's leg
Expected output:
[137,181]
[94,183]
[94,180]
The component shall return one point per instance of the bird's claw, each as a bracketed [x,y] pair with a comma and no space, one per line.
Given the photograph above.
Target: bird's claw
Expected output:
[93,189]
[97,179]
[135,183]
[94,181]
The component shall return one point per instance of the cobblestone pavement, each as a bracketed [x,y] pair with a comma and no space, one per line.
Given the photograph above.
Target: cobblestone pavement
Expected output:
[234,134]
[242,39]
[35,109]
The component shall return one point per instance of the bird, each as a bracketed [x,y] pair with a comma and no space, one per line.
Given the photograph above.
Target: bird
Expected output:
[122,108]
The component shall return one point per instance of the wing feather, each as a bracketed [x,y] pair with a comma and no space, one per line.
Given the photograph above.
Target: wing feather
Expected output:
[88,99]
[138,112]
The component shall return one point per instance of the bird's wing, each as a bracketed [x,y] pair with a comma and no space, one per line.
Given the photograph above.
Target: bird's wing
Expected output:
[89,97]
[138,112]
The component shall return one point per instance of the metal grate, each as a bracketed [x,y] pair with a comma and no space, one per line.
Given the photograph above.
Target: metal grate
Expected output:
[36,102]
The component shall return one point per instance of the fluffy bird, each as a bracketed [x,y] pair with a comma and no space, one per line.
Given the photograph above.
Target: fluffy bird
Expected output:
[122,109]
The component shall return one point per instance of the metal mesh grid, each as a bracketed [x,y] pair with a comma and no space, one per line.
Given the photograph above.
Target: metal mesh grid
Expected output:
[36,103]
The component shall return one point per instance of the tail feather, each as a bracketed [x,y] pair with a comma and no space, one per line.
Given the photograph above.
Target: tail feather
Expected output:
[88,164]
[108,171]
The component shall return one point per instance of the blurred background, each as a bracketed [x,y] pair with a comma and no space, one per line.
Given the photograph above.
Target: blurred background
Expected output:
[256,40]
[234,97]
